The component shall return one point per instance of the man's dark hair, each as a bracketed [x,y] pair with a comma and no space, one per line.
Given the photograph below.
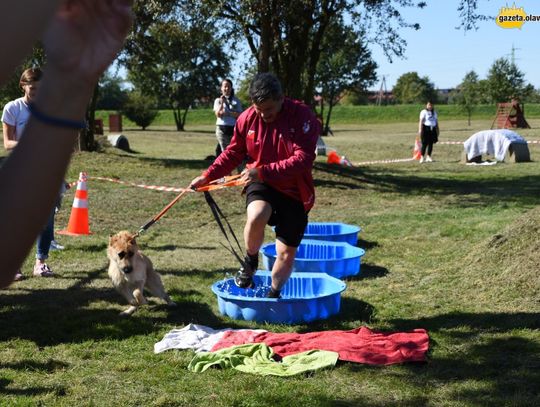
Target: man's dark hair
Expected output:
[265,86]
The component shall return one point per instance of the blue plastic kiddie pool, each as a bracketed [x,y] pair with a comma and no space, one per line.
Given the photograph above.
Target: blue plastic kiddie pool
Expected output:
[337,259]
[332,231]
[305,297]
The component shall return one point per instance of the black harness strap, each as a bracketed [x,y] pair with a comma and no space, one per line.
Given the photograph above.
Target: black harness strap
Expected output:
[219,216]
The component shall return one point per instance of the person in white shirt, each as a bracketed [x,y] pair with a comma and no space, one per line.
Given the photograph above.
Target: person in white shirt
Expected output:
[227,108]
[428,130]
[14,118]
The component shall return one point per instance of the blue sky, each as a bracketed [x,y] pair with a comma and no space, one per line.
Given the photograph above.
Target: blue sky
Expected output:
[444,54]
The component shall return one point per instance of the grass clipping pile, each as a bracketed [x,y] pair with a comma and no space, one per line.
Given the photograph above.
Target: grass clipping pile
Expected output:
[504,269]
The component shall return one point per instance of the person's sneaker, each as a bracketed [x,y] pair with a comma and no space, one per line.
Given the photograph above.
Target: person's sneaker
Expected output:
[243,279]
[421,159]
[56,246]
[42,270]
[428,159]
[244,276]
[18,276]
[273,293]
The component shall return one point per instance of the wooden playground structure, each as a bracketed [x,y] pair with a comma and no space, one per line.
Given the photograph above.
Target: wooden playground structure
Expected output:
[510,115]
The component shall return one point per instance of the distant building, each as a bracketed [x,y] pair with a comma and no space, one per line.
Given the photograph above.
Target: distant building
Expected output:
[375,97]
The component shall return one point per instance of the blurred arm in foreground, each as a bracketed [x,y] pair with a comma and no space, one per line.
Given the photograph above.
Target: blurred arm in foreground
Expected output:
[81,38]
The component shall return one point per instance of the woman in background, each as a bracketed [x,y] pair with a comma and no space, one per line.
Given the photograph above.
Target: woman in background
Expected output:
[428,129]
[227,108]
[14,118]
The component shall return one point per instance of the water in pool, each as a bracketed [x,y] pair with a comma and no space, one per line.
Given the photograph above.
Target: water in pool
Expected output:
[227,286]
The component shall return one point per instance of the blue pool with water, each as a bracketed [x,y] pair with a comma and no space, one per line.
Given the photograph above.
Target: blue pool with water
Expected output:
[305,297]
[338,259]
[332,231]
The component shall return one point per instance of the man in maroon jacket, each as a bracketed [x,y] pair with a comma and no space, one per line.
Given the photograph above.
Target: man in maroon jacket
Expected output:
[278,136]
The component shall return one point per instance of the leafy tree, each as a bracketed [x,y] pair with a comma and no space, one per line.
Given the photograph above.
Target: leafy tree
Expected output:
[287,37]
[506,81]
[468,15]
[241,88]
[483,92]
[345,64]
[177,59]
[411,88]
[87,141]
[533,95]
[111,95]
[11,89]
[353,97]
[468,94]
[140,109]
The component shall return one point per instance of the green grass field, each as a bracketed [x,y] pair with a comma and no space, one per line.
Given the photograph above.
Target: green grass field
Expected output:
[450,248]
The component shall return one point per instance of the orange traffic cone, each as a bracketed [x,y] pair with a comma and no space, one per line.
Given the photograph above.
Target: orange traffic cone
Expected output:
[417,152]
[78,221]
[333,158]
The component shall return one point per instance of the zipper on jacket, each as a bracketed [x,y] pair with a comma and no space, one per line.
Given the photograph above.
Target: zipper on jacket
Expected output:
[282,140]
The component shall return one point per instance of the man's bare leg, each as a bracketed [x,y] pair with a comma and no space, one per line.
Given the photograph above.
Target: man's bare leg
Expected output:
[258,214]
[283,267]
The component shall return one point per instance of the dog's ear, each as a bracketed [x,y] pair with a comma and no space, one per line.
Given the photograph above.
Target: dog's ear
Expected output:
[132,239]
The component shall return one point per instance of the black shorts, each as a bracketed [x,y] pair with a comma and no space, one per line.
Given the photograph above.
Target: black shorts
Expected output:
[288,215]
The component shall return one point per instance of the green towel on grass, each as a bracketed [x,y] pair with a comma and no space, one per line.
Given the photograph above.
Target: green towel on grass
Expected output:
[257,358]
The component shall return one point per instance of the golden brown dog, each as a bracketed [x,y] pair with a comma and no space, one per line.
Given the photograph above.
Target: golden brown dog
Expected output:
[131,272]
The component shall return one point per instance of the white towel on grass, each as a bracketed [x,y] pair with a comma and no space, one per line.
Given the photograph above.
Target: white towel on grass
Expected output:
[197,337]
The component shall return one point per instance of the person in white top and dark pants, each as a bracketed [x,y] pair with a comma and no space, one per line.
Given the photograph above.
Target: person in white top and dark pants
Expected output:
[227,108]
[428,129]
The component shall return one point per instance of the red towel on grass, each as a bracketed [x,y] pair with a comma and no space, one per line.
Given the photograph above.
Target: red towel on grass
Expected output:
[361,345]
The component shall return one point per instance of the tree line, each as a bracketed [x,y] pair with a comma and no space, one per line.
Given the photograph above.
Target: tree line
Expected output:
[179,50]
[503,82]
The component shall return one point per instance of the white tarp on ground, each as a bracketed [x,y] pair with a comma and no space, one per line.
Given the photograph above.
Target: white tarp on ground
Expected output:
[492,142]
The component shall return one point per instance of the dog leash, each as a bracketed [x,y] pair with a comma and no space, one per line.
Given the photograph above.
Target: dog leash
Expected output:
[220,218]
[225,182]
[220,183]
[145,227]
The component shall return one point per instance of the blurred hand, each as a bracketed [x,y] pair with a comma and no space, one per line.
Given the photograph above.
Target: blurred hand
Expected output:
[250,175]
[198,182]
[84,37]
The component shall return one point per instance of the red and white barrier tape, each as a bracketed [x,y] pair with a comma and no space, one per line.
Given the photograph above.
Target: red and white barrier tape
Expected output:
[117,181]
[397,160]
[461,142]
